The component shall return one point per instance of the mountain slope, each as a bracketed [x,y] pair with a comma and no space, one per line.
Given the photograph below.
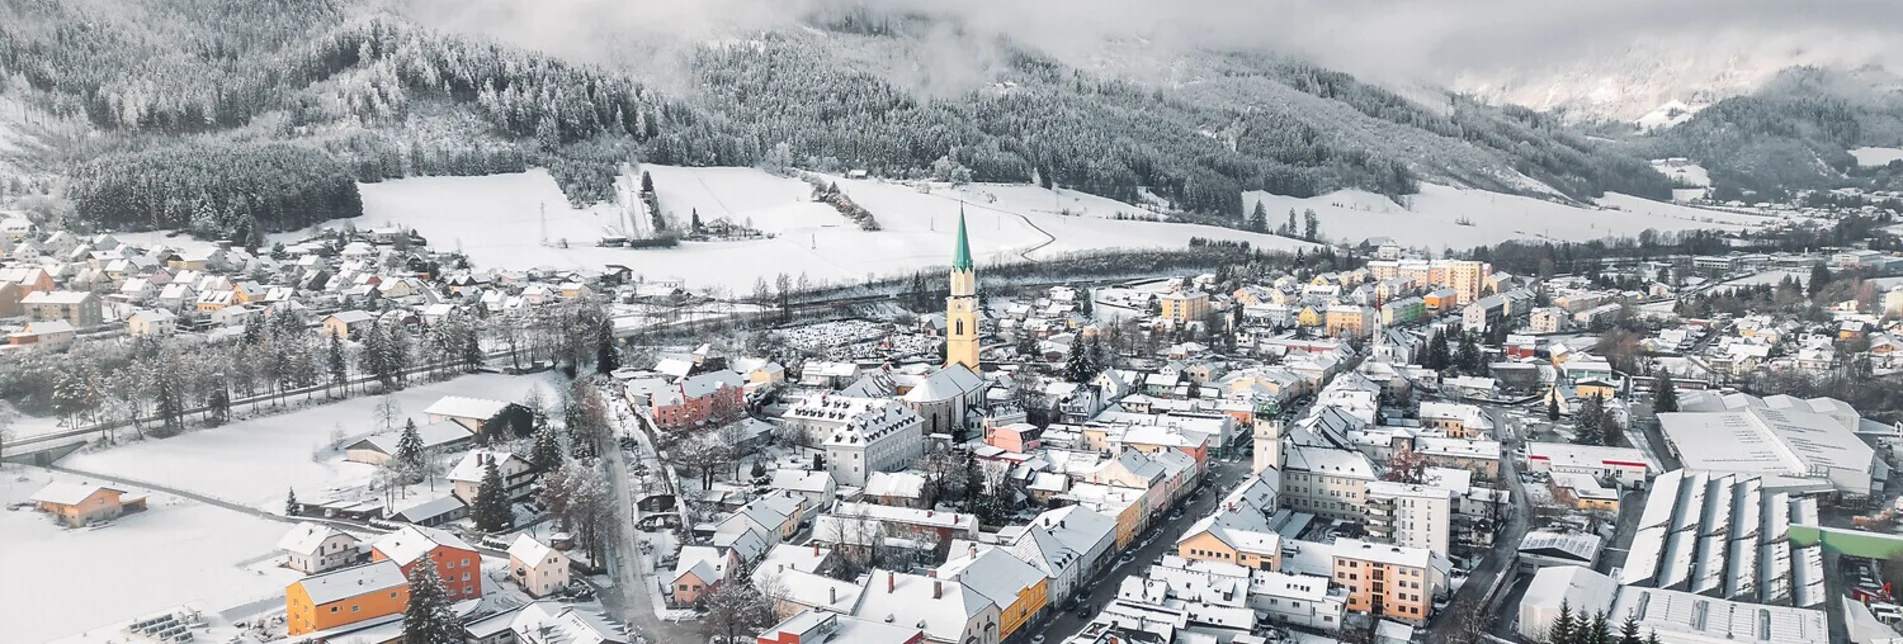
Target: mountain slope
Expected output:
[390,98]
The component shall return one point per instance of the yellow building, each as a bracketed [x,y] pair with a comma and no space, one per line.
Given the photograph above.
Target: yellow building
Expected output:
[1184,307]
[1211,540]
[1309,316]
[1349,321]
[961,308]
[1019,589]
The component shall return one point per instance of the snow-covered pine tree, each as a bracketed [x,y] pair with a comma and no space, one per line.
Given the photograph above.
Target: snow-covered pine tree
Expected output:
[290,502]
[492,512]
[546,452]
[429,619]
[409,446]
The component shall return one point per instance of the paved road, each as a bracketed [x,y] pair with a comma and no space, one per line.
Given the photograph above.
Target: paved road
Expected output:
[633,597]
[1224,477]
[1506,541]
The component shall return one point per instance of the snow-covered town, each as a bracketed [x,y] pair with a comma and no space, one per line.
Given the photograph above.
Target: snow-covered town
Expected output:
[1361,444]
[851,322]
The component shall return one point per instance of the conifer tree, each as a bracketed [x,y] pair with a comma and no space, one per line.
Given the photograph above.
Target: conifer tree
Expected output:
[1590,421]
[1563,629]
[409,446]
[290,502]
[607,355]
[1665,395]
[338,367]
[492,512]
[1629,631]
[1552,408]
[1077,366]
[428,619]
[546,452]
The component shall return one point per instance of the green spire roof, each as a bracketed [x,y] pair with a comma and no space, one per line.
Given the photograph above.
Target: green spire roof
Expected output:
[961,258]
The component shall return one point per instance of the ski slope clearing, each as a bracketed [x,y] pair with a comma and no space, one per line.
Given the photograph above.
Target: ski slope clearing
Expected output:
[175,552]
[497,220]
[253,462]
[1445,217]
[744,196]
[1683,171]
[1869,157]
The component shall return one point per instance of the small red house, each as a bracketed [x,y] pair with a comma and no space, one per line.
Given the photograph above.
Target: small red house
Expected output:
[708,398]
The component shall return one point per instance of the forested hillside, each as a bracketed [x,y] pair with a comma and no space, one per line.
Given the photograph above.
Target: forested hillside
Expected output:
[1793,134]
[341,91]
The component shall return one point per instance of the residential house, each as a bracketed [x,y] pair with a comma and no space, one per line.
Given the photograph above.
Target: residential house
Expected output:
[10,295]
[949,612]
[77,504]
[47,333]
[346,325]
[900,489]
[1020,591]
[537,568]
[342,597]
[1240,538]
[518,476]
[312,548]
[698,571]
[822,627]
[714,397]
[76,308]
[1069,544]
[457,564]
[152,322]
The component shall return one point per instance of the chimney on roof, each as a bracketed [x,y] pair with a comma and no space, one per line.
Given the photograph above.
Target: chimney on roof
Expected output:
[938,589]
[815,548]
[973,549]
[832,594]
[891,583]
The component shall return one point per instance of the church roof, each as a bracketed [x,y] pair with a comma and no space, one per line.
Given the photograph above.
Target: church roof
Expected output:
[961,259]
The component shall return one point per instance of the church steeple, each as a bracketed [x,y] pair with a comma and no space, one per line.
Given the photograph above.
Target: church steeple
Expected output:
[961,307]
[961,256]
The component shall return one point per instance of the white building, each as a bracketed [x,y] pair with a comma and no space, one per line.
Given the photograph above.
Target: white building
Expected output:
[1625,466]
[1417,516]
[1326,481]
[1578,589]
[311,548]
[1791,449]
[862,435]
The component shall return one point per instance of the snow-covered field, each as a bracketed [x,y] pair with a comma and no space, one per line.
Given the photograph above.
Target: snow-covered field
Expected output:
[176,552]
[1876,156]
[1683,171]
[498,221]
[254,462]
[1447,217]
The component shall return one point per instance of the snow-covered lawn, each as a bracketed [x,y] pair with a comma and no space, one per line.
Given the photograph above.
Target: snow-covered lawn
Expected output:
[253,462]
[1447,217]
[499,221]
[1876,156]
[64,581]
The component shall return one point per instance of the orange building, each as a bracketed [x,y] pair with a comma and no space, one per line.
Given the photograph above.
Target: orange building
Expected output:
[1383,580]
[347,596]
[76,504]
[457,564]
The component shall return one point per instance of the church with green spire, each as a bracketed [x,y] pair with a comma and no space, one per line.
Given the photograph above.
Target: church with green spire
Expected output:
[961,308]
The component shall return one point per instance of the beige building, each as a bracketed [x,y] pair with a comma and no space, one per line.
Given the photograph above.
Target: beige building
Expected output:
[1395,582]
[537,568]
[1184,307]
[1326,481]
[79,309]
